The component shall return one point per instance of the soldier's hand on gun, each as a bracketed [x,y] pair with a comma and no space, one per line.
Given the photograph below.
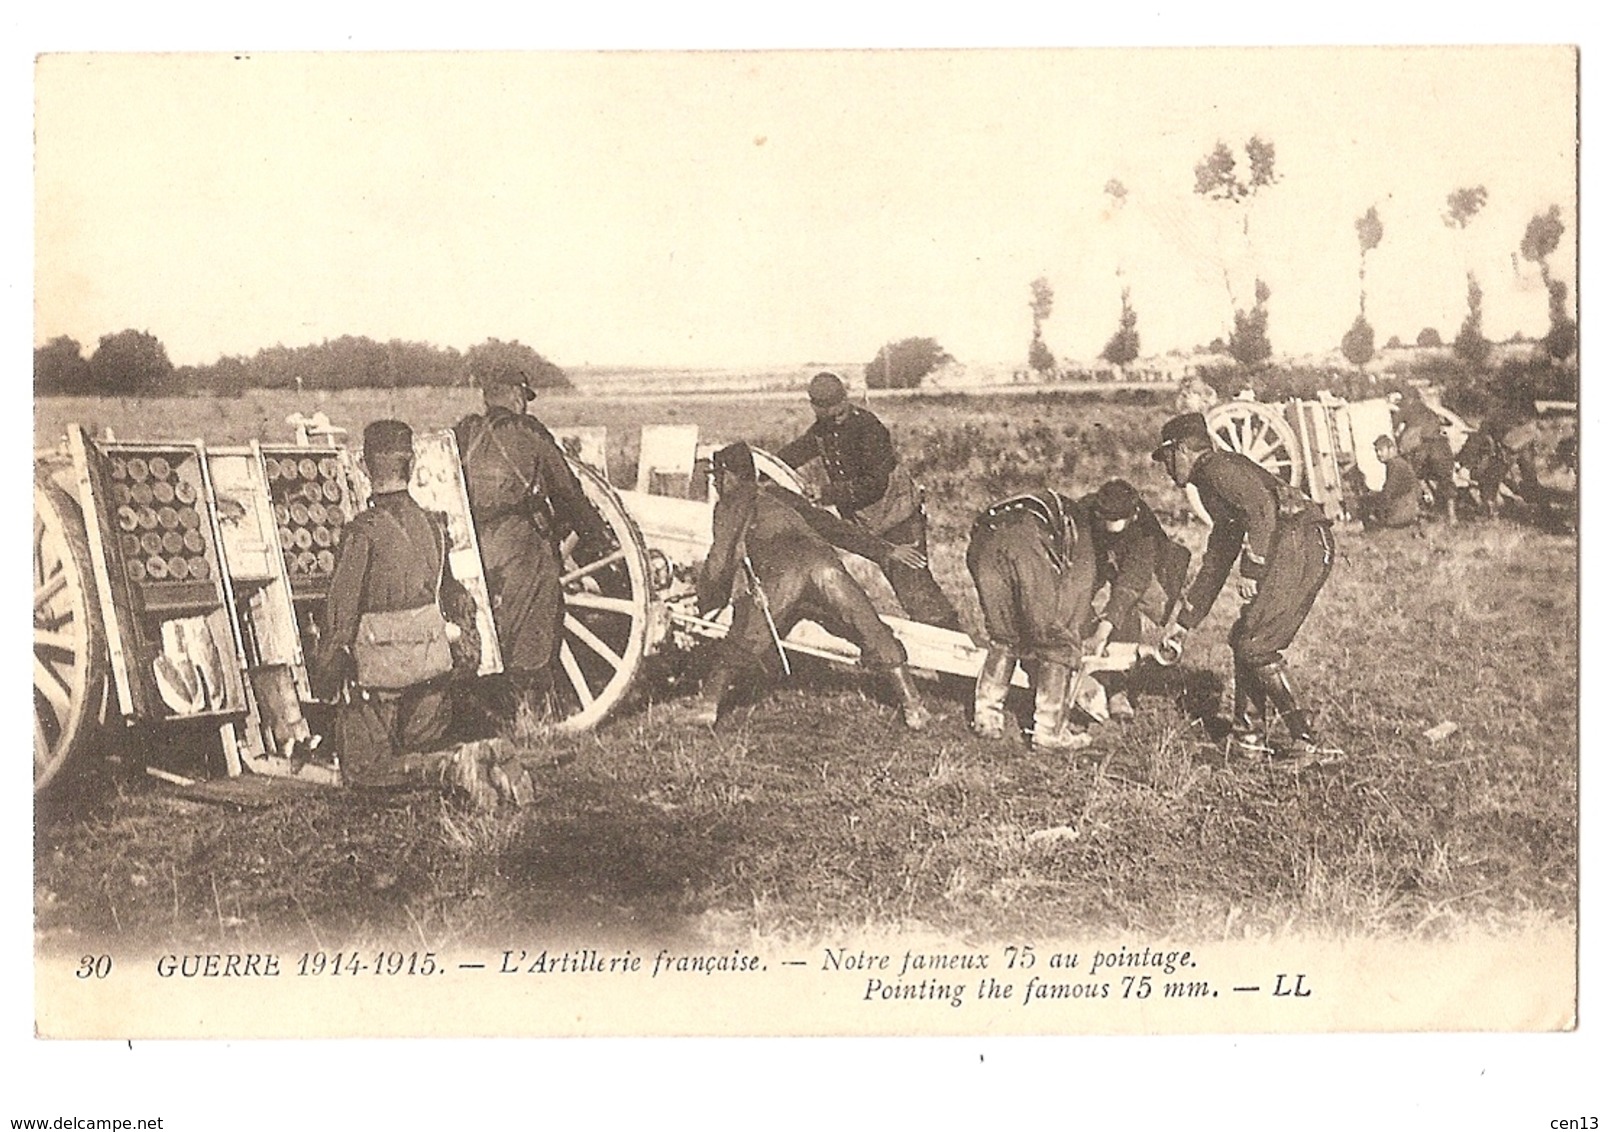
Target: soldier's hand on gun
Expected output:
[1096,644]
[1171,649]
[906,555]
[1247,589]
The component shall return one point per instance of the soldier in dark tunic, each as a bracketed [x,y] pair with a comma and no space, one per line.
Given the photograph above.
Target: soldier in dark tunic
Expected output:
[1144,569]
[393,558]
[524,499]
[1421,440]
[1286,550]
[1396,503]
[1032,560]
[771,557]
[868,486]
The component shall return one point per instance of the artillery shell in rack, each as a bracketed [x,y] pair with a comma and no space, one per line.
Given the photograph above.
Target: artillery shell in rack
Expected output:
[146,517]
[317,513]
[281,514]
[156,568]
[303,538]
[160,468]
[138,469]
[184,492]
[172,542]
[121,495]
[287,537]
[169,519]
[163,492]
[189,519]
[151,542]
[308,467]
[298,513]
[194,542]
[326,561]
[142,494]
[313,493]
[136,571]
[306,562]
[119,468]
[199,569]
[321,536]
[178,569]
[127,519]
[129,545]
[287,469]
[332,491]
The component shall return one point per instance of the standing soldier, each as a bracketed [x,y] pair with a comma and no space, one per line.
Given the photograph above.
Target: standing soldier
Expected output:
[776,569]
[869,486]
[385,647]
[1032,560]
[1421,440]
[1145,569]
[1286,550]
[524,499]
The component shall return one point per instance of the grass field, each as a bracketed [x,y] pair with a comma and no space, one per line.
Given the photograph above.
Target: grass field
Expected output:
[853,825]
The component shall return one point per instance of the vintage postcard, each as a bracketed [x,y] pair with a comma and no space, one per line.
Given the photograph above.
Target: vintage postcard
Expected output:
[806,543]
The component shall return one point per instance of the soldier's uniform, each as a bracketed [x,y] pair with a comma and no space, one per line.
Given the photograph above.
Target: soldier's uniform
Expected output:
[1284,544]
[788,545]
[524,499]
[1144,568]
[1032,560]
[1396,503]
[1422,441]
[868,485]
[392,558]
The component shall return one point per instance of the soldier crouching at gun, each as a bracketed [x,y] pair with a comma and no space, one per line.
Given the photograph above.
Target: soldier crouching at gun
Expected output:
[771,560]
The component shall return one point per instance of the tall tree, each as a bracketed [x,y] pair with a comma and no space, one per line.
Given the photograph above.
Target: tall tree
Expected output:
[1249,343]
[1462,206]
[1541,237]
[1123,346]
[902,364]
[130,362]
[1357,344]
[1039,356]
[59,367]
[1218,177]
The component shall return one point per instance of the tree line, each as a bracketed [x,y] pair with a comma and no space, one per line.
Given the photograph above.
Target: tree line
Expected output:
[135,363]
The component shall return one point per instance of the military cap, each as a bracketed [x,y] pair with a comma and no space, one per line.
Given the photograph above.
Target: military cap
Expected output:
[1116,500]
[501,378]
[735,458]
[387,436]
[827,389]
[1187,430]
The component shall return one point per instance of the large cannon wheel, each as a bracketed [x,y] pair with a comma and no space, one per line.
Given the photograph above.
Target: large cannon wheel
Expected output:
[608,613]
[1259,432]
[69,644]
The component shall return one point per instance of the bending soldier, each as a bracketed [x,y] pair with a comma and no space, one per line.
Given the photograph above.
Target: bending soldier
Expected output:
[868,486]
[524,499]
[771,561]
[1032,560]
[1286,550]
[1144,569]
[385,650]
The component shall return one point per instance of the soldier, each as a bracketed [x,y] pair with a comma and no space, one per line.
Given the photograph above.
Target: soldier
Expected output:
[1032,560]
[1395,504]
[524,499]
[385,649]
[868,485]
[1421,439]
[777,569]
[1144,569]
[1286,550]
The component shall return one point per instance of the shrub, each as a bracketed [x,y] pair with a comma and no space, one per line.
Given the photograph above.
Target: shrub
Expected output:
[902,364]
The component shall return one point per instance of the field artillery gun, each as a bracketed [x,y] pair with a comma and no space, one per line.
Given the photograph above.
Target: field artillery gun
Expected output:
[178,588]
[1317,444]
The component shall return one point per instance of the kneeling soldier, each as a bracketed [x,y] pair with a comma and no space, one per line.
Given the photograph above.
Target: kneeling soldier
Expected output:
[1145,569]
[770,559]
[1031,558]
[1286,550]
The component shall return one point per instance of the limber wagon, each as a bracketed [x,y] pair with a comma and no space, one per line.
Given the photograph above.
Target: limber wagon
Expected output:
[178,588]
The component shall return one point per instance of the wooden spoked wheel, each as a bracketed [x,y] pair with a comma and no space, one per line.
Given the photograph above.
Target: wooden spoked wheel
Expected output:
[608,613]
[69,664]
[1260,433]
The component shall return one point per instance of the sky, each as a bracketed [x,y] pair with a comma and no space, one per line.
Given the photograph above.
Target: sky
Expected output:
[776,208]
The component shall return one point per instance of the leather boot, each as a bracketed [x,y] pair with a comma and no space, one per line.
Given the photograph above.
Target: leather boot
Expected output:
[458,772]
[1281,694]
[1250,704]
[993,685]
[916,716]
[1051,732]
[704,709]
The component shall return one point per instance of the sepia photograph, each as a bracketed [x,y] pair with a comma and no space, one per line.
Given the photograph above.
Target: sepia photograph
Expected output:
[783,543]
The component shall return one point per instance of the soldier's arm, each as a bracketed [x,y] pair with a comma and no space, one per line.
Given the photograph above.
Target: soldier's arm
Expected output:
[564,492]
[1221,547]
[1137,556]
[839,532]
[800,451]
[720,566]
[872,462]
[344,604]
